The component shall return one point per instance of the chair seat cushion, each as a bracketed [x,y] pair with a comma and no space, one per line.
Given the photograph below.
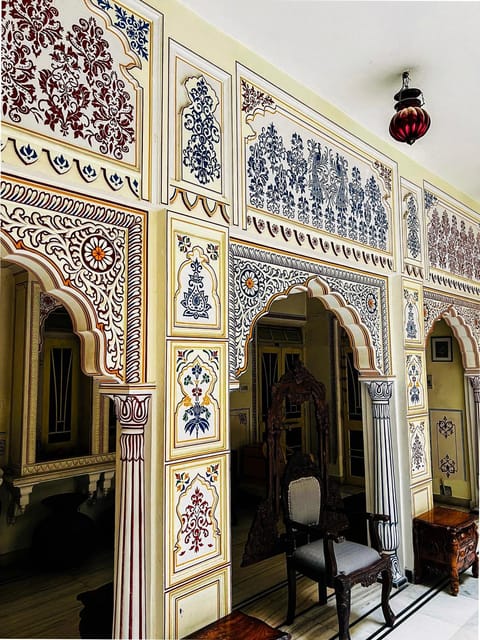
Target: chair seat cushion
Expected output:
[350,556]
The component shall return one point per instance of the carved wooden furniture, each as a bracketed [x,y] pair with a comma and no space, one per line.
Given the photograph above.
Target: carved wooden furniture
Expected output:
[297,386]
[445,542]
[315,549]
[238,626]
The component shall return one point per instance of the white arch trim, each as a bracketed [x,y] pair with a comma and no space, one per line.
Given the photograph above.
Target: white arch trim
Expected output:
[82,312]
[348,317]
[462,331]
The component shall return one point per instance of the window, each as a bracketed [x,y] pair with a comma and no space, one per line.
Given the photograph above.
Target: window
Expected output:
[65,394]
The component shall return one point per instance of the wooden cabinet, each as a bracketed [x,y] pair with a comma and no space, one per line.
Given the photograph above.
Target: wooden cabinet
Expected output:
[445,542]
[239,626]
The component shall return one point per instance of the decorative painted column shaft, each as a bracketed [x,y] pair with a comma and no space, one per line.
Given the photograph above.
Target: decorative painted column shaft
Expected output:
[474,474]
[385,497]
[129,605]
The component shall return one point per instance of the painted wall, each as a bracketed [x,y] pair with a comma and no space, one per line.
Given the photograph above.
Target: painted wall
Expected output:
[186,246]
[446,401]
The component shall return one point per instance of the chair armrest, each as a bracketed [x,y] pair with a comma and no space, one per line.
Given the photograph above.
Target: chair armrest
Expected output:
[329,554]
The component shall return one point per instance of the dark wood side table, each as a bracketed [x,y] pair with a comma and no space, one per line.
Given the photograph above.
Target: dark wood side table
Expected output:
[445,542]
[238,626]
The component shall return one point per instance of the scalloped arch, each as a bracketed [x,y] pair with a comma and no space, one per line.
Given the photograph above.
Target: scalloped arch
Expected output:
[82,312]
[348,317]
[462,331]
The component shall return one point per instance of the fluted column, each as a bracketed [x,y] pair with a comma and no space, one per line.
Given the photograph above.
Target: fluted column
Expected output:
[129,606]
[474,475]
[385,499]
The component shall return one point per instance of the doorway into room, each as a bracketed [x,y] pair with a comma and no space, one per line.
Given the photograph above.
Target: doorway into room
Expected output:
[448,418]
[296,328]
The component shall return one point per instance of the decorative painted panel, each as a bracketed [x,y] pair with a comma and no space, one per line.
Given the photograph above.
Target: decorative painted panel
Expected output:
[196,278]
[200,117]
[96,252]
[197,603]
[412,229]
[453,235]
[415,377]
[297,165]
[77,87]
[419,439]
[257,277]
[197,393]
[448,447]
[422,498]
[197,523]
[412,313]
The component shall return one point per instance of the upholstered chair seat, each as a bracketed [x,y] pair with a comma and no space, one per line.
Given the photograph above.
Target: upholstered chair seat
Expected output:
[350,556]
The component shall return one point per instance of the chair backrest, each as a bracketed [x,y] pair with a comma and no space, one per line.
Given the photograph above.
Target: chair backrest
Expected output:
[304,500]
[302,491]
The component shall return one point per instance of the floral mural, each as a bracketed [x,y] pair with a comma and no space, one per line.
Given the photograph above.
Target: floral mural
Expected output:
[64,75]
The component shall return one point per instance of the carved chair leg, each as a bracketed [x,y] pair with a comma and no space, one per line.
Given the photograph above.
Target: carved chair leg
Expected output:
[342,596]
[292,592]
[386,588]
[322,593]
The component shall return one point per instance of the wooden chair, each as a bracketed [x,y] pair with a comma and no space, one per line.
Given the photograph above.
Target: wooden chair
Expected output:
[316,549]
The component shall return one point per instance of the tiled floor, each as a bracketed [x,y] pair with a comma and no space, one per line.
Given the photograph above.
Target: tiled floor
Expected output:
[426,612]
[437,614]
[45,606]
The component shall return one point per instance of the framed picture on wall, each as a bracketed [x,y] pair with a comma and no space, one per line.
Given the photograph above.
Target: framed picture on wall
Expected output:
[442,349]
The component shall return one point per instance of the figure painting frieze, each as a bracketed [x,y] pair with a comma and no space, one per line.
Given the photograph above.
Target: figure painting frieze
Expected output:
[453,239]
[296,169]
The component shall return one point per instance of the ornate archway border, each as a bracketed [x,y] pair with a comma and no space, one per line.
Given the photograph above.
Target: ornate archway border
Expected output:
[257,277]
[53,234]
[464,319]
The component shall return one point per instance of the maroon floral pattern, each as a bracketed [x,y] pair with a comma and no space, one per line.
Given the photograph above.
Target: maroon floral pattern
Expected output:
[453,245]
[196,521]
[64,77]
[36,19]
[253,99]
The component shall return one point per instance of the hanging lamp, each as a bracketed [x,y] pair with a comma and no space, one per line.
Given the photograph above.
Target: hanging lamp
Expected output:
[411,122]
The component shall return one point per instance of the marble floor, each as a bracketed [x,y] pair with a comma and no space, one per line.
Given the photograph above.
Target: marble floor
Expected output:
[46,606]
[422,611]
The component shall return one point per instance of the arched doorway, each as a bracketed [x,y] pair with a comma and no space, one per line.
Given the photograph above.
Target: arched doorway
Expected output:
[58,441]
[297,327]
[453,361]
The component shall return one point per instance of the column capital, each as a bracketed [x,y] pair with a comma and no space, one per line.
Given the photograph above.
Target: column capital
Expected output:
[475,382]
[380,390]
[132,410]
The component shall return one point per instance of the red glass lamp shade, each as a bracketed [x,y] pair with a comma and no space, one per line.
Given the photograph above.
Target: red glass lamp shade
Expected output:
[411,122]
